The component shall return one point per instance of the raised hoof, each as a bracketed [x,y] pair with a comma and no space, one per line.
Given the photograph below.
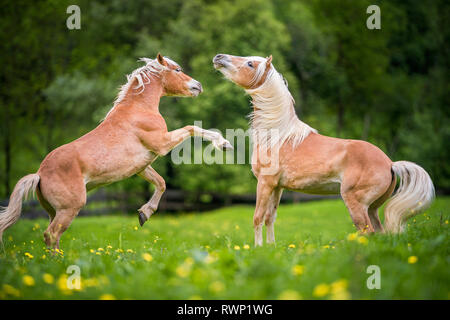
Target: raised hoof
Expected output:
[142,218]
[227,146]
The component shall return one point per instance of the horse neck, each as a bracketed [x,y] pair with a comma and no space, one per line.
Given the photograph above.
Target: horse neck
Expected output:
[273,107]
[273,119]
[147,100]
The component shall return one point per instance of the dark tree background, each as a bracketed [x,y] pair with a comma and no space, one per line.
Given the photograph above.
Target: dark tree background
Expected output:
[387,86]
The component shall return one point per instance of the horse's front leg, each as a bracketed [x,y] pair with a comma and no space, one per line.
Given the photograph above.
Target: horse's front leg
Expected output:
[271,214]
[263,195]
[146,211]
[173,138]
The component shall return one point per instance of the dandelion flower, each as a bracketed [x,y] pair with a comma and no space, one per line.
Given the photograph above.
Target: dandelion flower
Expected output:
[237,248]
[412,259]
[28,255]
[321,290]
[28,280]
[298,270]
[246,247]
[352,236]
[48,278]
[107,296]
[147,257]
[363,240]
[292,246]
[10,290]
[289,295]
[100,249]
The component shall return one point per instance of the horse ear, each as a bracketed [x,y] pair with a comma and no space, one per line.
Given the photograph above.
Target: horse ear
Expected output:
[268,61]
[161,60]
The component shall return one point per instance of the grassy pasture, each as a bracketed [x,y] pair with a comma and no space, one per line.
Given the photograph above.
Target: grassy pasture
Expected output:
[318,255]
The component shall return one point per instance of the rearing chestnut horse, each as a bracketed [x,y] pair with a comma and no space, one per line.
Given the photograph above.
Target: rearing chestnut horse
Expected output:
[301,159]
[130,138]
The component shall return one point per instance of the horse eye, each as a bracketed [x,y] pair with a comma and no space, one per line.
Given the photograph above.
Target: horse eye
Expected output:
[250,64]
[178,69]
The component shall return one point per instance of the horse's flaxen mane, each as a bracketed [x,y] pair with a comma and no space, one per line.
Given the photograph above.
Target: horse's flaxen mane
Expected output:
[142,75]
[273,119]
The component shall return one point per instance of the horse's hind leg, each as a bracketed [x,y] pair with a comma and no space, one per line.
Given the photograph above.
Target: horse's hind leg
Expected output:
[45,204]
[358,212]
[146,211]
[60,223]
[66,196]
[373,208]
[271,214]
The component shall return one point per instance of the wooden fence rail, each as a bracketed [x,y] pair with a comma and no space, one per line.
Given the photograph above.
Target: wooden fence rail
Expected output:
[103,203]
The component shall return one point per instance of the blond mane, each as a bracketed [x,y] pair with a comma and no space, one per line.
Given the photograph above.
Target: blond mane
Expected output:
[143,75]
[274,120]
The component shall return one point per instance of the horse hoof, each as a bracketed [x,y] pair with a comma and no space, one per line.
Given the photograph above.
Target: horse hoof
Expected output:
[142,218]
[227,146]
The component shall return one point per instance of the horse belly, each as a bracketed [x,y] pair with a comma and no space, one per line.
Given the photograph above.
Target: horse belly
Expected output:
[119,168]
[313,185]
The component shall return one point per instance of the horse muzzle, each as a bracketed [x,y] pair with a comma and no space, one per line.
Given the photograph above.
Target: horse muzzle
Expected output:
[221,61]
[195,88]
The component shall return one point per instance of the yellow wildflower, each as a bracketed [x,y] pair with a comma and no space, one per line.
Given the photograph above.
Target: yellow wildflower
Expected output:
[246,247]
[28,280]
[107,296]
[10,290]
[363,240]
[298,270]
[352,236]
[289,295]
[321,290]
[147,257]
[292,246]
[28,255]
[237,247]
[412,259]
[48,278]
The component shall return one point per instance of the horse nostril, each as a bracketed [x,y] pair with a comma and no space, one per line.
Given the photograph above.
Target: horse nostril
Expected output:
[219,57]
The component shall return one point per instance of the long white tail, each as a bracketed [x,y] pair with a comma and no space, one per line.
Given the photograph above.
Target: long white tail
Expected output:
[10,214]
[414,195]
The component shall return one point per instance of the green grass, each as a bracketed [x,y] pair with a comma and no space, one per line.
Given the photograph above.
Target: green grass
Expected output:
[194,256]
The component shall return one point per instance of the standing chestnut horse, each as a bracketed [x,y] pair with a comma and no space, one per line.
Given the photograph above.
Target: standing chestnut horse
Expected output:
[130,138]
[303,160]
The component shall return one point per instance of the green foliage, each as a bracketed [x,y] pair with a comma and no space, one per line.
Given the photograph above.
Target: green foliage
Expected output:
[211,256]
[387,86]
